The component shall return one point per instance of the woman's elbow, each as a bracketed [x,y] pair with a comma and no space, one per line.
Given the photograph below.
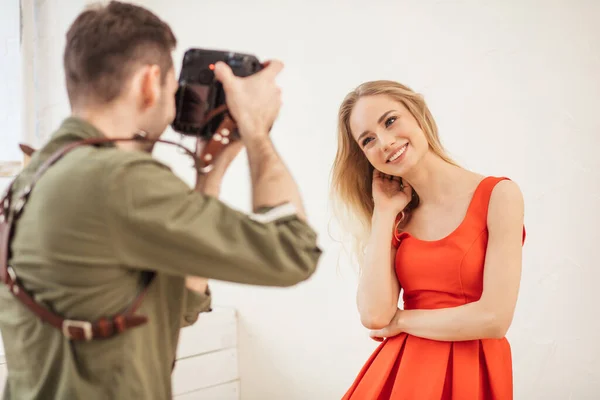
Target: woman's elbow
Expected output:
[373,323]
[498,325]
[376,320]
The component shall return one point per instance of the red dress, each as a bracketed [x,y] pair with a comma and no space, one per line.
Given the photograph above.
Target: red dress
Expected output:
[440,274]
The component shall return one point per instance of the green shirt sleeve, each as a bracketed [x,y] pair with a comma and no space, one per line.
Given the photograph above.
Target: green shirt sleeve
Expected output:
[158,223]
[195,303]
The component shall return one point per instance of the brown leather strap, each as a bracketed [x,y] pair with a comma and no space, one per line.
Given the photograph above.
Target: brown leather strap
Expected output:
[5,233]
[225,134]
[77,329]
[108,326]
[211,150]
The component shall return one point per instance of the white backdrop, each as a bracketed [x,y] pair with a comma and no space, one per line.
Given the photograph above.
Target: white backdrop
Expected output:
[10,86]
[514,87]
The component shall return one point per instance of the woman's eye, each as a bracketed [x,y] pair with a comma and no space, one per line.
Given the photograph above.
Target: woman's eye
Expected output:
[366,141]
[389,121]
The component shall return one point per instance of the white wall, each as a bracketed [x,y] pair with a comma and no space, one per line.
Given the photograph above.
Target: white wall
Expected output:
[10,88]
[514,86]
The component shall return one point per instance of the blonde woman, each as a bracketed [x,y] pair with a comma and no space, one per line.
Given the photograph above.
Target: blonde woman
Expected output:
[449,238]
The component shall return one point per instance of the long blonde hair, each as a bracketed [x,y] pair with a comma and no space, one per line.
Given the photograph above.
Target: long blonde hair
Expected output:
[352,174]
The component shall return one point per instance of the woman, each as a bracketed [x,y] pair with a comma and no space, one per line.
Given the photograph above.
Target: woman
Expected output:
[456,243]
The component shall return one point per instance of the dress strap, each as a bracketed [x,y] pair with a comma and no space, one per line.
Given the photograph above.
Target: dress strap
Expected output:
[481,199]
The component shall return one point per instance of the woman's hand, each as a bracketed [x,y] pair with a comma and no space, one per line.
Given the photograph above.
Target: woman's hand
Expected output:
[392,329]
[390,193]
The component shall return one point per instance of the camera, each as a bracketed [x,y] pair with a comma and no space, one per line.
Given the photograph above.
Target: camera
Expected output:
[199,92]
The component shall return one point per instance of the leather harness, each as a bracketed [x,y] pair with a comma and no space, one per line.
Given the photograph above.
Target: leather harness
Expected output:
[105,327]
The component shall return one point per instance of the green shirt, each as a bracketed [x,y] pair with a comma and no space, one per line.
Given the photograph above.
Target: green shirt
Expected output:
[95,223]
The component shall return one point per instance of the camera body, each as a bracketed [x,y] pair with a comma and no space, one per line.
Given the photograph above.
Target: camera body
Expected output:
[199,92]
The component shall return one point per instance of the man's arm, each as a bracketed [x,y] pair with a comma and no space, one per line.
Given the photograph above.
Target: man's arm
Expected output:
[254,102]
[272,183]
[159,224]
[198,295]
[156,222]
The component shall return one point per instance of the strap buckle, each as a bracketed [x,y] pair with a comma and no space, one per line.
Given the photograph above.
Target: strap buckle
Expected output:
[85,326]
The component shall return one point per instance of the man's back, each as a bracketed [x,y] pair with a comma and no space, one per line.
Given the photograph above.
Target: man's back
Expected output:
[64,253]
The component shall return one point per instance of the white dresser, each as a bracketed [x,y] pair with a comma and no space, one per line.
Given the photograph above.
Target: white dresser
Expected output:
[207,358]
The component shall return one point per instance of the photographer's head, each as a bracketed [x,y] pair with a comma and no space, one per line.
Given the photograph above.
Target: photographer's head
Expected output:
[119,69]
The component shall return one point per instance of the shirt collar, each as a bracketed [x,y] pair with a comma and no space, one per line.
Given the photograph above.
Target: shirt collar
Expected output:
[75,128]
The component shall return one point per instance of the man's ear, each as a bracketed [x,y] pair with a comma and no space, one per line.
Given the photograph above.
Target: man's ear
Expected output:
[150,85]
[27,152]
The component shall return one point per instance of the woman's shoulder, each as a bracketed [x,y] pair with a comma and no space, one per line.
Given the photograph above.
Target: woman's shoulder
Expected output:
[499,195]
[504,185]
[506,210]
[505,193]
[501,186]
[494,192]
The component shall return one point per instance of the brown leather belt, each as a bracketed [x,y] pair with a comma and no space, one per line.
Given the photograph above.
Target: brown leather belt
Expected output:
[105,327]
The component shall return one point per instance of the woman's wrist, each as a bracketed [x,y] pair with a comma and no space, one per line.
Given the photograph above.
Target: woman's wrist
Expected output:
[400,321]
[384,213]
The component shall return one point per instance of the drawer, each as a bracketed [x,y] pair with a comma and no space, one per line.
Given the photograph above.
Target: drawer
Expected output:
[226,391]
[204,371]
[216,330]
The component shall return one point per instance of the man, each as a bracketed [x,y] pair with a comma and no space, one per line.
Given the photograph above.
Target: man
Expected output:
[104,217]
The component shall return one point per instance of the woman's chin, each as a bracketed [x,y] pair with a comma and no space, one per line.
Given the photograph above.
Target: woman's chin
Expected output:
[395,170]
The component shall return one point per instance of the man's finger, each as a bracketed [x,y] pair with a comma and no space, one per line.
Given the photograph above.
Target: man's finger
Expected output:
[223,73]
[272,68]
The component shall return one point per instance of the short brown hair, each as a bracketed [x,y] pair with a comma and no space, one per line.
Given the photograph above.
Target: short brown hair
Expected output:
[105,43]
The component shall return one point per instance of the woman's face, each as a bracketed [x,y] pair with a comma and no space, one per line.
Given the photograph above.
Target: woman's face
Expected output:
[388,134]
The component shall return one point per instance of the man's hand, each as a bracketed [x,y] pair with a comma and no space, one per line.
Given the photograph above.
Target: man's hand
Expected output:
[253,101]
[210,183]
[196,283]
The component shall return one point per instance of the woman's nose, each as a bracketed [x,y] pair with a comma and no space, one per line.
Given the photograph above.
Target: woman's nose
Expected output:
[387,141]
